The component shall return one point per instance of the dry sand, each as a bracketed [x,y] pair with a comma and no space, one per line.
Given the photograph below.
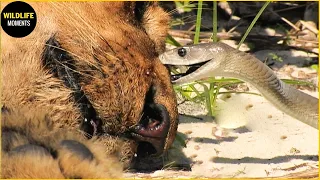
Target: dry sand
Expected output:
[249,138]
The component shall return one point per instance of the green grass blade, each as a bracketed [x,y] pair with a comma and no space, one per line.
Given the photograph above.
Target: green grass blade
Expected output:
[215,22]
[240,92]
[253,22]
[181,140]
[297,82]
[198,23]
[172,41]
[212,80]
[208,99]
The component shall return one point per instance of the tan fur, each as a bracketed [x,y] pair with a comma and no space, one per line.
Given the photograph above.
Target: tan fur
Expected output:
[43,107]
[36,127]
[156,26]
[20,167]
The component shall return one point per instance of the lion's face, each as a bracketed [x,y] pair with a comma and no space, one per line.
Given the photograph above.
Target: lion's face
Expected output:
[94,66]
[115,56]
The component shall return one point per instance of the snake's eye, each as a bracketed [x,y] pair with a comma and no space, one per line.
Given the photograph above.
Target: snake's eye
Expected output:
[182,52]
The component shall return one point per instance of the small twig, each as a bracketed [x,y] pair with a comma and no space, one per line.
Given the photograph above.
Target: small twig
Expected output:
[308,26]
[288,22]
[239,172]
[306,41]
[179,34]
[191,28]
[307,174]
[276,11]
[191,116]
[294,167]
[235,27]
[182,102]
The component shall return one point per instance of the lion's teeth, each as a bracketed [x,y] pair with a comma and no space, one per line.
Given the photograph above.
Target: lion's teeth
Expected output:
[138,127]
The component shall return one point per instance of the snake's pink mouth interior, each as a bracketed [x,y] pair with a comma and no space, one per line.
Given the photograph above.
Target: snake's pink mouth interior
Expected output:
[191,68]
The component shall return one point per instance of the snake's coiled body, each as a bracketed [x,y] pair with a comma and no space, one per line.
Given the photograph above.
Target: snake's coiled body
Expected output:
[224,60]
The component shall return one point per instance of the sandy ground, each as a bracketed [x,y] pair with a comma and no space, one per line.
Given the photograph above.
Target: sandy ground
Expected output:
[260,141]
[248,137]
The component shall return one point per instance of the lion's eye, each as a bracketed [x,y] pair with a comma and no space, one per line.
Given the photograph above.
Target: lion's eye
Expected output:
[182,52]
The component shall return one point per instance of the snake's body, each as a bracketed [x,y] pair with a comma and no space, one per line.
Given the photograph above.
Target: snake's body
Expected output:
[226,61]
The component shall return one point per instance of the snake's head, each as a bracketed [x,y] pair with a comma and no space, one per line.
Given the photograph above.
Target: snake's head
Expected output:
[202,60]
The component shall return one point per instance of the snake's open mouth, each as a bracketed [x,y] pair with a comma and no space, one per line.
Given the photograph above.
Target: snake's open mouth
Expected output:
[152,130]
[191,68]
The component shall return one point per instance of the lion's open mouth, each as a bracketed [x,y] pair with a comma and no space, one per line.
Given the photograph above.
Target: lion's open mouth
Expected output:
[150,133]
[153,127]
[152,130]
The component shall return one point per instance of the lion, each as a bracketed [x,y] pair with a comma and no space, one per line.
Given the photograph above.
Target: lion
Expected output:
[85,95]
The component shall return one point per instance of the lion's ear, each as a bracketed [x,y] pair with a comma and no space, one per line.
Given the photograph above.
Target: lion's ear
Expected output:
[151,17]
[155,21]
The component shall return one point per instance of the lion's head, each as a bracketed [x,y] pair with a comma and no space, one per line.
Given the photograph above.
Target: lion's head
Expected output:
[105,54]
